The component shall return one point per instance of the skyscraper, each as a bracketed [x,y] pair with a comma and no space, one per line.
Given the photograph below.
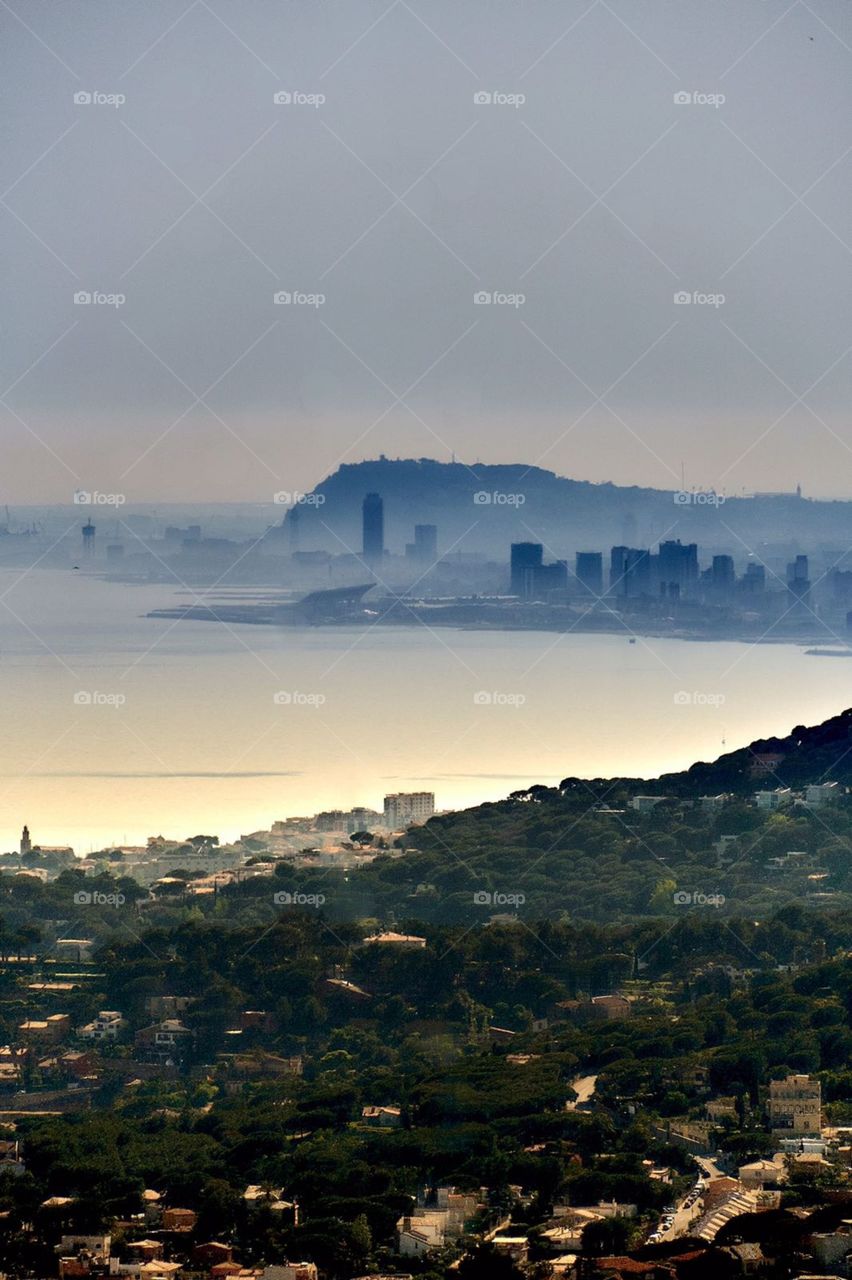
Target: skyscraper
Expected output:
[588,570]
[373,529]
[526,559]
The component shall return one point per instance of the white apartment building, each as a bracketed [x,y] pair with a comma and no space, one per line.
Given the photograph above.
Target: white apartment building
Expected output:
[406,807]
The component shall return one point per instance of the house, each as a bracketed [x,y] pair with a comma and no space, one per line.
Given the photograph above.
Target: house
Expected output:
[646,804]
[771,800]
[179,1219]
[166,1042]
[105,1026]
[610,1007]
[213,1252]
[49,1030]
[382,1117]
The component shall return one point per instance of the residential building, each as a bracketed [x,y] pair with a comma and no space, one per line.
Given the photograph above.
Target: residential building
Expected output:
[403,808]
[105,1026]
[795,1106]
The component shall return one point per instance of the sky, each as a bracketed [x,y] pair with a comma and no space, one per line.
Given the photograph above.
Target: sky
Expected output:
[651,196]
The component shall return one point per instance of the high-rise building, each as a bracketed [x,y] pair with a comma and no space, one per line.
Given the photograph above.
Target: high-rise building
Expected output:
[795,1107]
[26,842]
[588,570]
[406,807]
[424,548]
[526,558]
[754,578]
[629,571]
[677,568]
[373,529]
[798,582]
[88,538]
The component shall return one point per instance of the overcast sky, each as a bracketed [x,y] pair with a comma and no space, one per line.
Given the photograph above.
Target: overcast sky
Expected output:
[583,186]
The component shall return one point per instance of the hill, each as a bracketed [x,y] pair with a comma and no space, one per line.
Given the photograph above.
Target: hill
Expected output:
[483,507]
[580,851]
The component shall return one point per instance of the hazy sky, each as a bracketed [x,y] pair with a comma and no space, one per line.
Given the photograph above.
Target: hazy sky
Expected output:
[397,199]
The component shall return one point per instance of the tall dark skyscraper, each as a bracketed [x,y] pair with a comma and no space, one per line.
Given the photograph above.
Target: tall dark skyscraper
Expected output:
[526,560]
[588,570]
[373,529]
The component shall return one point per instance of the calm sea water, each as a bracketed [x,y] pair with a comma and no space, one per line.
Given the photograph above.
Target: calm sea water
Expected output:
[118,726]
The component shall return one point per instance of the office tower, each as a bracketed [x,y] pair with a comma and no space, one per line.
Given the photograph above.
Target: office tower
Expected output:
[424,548]
[88,538]
[373,529]
[754,578]
[526,558]
[677,568]
[722,577]
[798,582]
[549,577]
[629,571]
[588,570]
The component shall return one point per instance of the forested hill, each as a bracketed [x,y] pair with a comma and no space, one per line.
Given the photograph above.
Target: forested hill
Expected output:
[581,849]
[821,753]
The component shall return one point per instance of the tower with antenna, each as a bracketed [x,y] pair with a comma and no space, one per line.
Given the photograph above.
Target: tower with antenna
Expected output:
[88,538]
